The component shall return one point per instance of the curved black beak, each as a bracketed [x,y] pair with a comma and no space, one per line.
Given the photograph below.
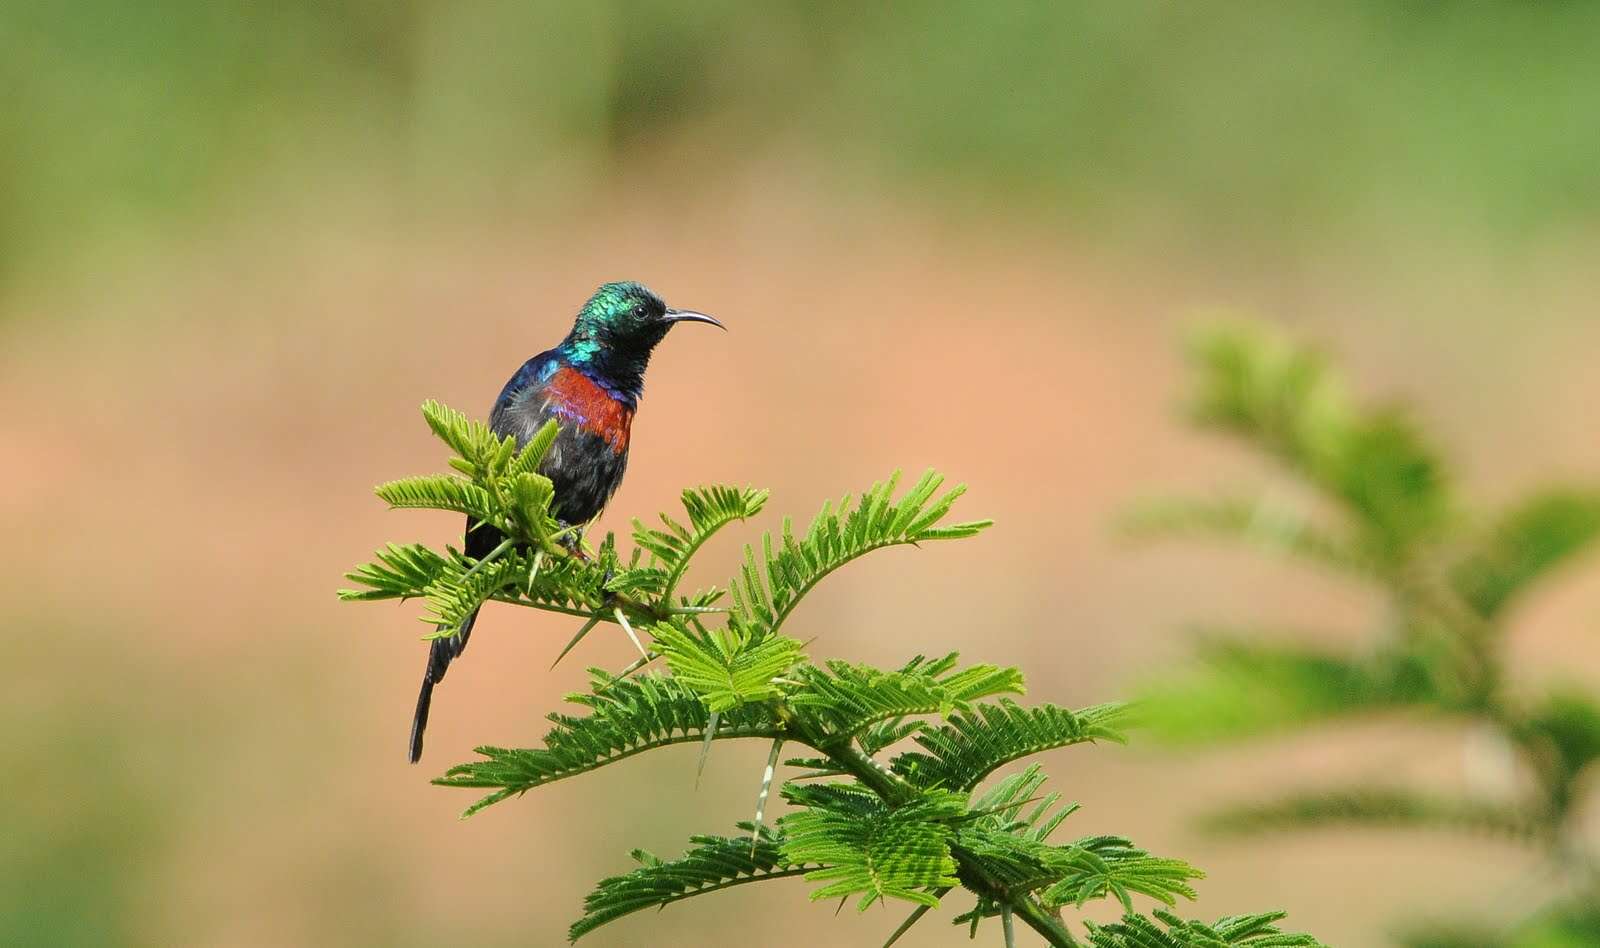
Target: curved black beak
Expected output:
[690,316]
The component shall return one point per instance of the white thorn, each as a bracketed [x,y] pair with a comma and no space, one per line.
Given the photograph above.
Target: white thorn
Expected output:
[766,789]
[622,620]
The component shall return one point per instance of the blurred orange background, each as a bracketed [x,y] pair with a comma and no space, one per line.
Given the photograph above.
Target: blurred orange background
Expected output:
[240,248]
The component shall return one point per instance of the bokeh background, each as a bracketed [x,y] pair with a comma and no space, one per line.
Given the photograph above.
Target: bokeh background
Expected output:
[240,243]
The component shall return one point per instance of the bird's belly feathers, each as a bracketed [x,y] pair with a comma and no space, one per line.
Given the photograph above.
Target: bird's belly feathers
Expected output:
[585,472]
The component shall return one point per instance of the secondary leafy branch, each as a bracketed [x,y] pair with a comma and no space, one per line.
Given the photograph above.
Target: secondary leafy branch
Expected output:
[1377,505]
[886,805]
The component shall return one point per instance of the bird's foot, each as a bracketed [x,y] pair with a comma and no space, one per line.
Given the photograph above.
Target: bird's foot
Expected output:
[572,541]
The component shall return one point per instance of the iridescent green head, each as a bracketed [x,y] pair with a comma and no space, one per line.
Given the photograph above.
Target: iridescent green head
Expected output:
[618,328]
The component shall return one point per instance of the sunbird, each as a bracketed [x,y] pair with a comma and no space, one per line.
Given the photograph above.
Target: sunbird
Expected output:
[590,384]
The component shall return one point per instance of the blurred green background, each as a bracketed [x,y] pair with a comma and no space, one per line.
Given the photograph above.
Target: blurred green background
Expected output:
[240,243]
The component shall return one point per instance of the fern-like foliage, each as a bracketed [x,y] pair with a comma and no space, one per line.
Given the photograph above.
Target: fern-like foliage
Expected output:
[1009,837]
[502,486]
[482,455]
[1285,399]
[626,717]
[863,823]
[1003,806]
[772,584]
[1239,687]
[673,545]
[727,668]
[1267,523]
[557,583]
[1567,923]
[1525,543]
[1387,516]
[1255,931]
[846,699]
[973,744]
[396,572]
[1098,866]
[438,492]
[1376,806]
[871,848]
[712,864]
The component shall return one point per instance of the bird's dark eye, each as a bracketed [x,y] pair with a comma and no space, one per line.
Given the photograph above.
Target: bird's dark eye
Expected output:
[639,311]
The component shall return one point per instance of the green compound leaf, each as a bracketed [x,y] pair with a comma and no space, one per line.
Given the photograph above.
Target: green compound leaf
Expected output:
[1374,806]
[397,572]
[712,864]
[439,492]
[845,698]
[973,744]
[1525,544]
[1238,931]
[726,669]
[626,717]
[673,545]
[869,848]
[772,584]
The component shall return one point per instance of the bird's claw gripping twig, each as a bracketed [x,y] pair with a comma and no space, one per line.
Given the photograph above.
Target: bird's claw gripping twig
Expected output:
[572,541]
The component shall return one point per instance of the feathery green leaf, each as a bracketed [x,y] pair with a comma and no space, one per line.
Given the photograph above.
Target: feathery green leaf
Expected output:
[439,492]
[868,847]
[844,698]
[673,545]
[1001,805]
[1568,721]
[1527,542]
[1248,931]
[625,718]
[770,586]
[725,668]
[1284,398]
[1238,688]
[1374,806]
[1101,866]
[712,864]
[1273,526]
[398,572]
[972,744]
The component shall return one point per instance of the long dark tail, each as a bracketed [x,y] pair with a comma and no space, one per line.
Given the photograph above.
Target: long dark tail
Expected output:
[443,652]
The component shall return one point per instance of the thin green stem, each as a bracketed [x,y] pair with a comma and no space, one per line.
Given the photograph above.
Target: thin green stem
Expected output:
[895,790]
[975,876]
[494,554]
[515,600]
[873,775]
[1047,925]
[621,676]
